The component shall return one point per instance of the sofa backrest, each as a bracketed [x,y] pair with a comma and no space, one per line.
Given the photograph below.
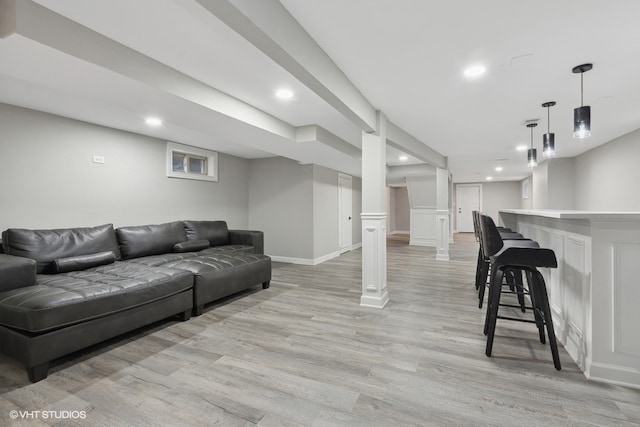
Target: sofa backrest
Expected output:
[144,240]
[46,246]
[216,232]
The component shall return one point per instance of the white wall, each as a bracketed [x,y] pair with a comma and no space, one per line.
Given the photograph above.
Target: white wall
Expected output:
[356,200]
[606,177]
[48,180]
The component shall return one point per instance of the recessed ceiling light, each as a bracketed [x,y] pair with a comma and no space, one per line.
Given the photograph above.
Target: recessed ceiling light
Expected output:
[153,121]
[403,158]
[522,147]
[284,93]
[475,71]
[499,168]
[489,178]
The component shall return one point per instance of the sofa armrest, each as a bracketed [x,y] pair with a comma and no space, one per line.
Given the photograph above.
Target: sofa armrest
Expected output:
[16,272]
[248,237]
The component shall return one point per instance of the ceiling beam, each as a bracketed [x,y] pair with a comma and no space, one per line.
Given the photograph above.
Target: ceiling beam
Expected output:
[37,23]
[270,27]
[404,141]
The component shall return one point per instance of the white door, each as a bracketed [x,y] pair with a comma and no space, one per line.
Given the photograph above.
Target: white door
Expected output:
[345,211]
[467,201]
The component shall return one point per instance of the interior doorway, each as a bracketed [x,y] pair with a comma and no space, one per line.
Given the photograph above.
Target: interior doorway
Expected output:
[345,211]
[468,199]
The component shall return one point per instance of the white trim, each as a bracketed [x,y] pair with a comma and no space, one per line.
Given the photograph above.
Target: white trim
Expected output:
[212,162]
[479,185]
[305,261]
[356,246]
[344,246]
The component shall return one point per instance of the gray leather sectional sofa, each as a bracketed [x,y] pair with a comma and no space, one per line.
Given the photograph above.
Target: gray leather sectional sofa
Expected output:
[63,290]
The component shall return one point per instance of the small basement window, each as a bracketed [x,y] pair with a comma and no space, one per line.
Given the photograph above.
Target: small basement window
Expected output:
[188,162]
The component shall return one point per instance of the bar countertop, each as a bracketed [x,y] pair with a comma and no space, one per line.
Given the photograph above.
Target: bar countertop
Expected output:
[569,214]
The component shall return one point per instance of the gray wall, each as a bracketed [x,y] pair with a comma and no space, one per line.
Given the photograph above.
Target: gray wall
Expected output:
[606,177]
[402,211]
[281,205]
[325,212]
[500,195]
[539,185]
[48,180]
[526,203]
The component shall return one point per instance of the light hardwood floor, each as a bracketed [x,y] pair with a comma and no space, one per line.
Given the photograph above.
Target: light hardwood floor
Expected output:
[304,353]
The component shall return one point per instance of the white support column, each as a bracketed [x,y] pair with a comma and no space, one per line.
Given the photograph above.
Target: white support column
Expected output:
[442,215]
[374,217]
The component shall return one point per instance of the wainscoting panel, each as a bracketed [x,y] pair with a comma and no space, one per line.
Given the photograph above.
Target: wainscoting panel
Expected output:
[626,299]
[423,227]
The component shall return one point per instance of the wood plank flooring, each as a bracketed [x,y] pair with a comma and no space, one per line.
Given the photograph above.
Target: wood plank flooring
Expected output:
[304,353]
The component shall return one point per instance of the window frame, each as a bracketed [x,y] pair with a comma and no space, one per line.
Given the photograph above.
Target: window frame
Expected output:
[209,157]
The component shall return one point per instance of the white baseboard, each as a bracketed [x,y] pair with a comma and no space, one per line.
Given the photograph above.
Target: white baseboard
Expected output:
[393,233]
[356,246]
[305,261]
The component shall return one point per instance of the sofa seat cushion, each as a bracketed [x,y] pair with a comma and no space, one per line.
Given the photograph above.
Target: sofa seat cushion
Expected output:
[223,274]
[68,298]
[217,250]
[158,260]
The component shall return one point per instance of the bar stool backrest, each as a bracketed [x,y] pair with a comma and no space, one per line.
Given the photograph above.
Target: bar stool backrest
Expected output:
[491,240]
[476,228]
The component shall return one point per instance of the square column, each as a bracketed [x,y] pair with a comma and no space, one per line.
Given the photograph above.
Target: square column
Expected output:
[374,217]
[442,214]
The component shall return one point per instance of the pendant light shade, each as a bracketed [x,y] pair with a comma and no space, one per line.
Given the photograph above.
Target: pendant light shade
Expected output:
[532,153]
[548,139]
[582,114]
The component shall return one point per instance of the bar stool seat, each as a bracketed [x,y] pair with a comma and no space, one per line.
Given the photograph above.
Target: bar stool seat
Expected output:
[505,258]
[483,264]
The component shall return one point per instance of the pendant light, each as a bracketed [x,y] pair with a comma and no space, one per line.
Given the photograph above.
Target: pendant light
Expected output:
[532,153]
[582,115]
[548,139]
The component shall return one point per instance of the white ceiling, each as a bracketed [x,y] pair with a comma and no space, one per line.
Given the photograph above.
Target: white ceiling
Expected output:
[405,56]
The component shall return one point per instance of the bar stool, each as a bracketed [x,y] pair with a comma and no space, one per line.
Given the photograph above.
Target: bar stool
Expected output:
[521,259]
[483,264]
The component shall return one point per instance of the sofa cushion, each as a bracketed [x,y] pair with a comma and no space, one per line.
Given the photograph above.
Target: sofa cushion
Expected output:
[44,246]
[16,272]
[216,232]
[82,262]
[68,298]
[223,274]
[226,249]
[143,240]
[191,246]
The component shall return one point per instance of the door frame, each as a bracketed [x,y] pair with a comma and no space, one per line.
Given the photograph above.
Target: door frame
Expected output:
[479,185]
[345,246]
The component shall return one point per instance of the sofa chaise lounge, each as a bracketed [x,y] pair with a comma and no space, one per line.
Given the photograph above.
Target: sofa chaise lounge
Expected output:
[66,289]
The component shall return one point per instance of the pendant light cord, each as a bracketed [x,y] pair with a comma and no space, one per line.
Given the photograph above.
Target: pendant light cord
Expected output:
[581,89]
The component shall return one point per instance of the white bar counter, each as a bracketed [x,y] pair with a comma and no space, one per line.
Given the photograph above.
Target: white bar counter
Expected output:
[595,291]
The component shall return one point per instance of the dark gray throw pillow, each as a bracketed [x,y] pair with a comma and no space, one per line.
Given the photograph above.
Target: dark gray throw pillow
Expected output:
[82,262]
[191,246]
